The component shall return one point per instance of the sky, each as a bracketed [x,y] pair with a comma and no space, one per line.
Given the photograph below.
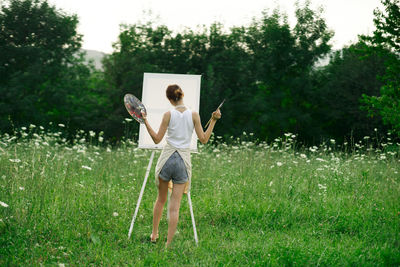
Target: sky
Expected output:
[99,20]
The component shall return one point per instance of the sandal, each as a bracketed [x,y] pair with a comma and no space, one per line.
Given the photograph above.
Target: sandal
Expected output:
[153,240]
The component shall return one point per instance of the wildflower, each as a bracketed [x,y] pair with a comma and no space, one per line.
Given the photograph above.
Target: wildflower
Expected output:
[41,127]
[115,214]
[15,160]
[3,204]
[92,134]
[21,188]
[319,159]
[101,139]
[23,128]
[86,167]
[128,120]
[366,137]
[321,186]
[61,125]
[270,183]
[32,126]
[303,156]
[279,164]
[333,141]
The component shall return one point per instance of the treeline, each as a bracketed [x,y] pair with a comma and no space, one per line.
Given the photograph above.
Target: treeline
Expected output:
[268,71]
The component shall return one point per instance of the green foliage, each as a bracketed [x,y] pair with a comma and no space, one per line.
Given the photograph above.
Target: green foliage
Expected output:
[266,70]
[338,89]
[385,41]
[43,77]
[263,70]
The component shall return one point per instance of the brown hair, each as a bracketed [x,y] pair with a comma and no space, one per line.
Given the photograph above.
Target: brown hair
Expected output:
[174,92]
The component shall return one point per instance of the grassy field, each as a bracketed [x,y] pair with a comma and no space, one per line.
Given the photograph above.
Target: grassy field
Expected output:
[255,204]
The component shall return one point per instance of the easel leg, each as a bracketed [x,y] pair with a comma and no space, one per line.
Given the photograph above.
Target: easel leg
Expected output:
[192,215]
[141,194]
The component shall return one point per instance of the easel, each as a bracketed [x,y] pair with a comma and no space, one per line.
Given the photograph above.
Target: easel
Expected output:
[140,199]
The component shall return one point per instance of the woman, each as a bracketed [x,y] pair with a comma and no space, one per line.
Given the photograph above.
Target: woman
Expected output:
[174,162]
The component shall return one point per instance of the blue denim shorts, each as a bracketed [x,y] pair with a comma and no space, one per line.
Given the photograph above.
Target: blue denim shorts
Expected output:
[174,169]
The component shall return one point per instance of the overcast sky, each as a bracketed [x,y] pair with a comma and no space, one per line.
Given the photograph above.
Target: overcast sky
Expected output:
[100,19]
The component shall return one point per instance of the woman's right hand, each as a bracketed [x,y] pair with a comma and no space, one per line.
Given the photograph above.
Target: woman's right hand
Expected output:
[216,115]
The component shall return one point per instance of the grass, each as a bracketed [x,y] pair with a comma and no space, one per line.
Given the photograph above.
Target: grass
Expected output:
[254,204]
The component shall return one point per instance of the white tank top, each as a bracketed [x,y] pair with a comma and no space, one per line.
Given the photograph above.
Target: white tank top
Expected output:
[180,128]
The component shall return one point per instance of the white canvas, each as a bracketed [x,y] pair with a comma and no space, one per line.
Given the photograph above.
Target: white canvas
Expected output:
[156,102]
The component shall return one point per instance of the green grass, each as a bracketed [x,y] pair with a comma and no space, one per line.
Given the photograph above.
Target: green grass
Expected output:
[254,204]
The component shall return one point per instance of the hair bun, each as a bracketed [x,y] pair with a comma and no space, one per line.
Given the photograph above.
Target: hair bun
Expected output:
[174,92]
[178,94]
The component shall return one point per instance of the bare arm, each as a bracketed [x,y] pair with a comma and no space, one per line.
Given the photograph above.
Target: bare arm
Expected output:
[205,136]
[157,137]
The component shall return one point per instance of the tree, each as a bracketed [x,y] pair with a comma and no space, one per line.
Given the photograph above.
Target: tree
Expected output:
[386,43]
[43,76]
[338,89]
[37,43]
[263,70]
[282,61]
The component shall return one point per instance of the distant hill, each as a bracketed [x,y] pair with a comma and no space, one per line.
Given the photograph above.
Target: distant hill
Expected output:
[95,56]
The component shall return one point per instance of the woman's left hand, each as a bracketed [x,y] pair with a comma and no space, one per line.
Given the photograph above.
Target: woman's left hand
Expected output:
[144,115]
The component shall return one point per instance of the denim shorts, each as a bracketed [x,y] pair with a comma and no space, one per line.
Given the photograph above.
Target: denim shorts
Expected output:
[174,169]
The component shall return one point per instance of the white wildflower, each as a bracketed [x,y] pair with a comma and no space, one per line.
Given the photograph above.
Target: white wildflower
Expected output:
[21,188]
[61,125]
[23,128]
[92,134]
[86,167]
[303,156]
[319,159]
[115,214]
[279,164]
[3,204]
[321,186]
[32,126]
[128,120]
[101,139]
[15,160]
[270,183]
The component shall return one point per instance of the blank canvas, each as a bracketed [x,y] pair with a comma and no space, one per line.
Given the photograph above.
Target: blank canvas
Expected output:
[156,102]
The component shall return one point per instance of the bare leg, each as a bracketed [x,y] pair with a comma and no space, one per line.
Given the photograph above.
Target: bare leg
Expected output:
[174,206]
[158,206]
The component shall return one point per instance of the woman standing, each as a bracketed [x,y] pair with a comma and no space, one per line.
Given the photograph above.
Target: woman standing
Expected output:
[174,162]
